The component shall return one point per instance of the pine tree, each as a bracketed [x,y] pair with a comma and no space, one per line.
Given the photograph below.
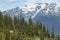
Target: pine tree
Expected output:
[7,25]
[7,37]
[30,22]
[30,27]
[1,21]
[8,22]
[52,34]
[44,31]
[58,38]
[47,33]
[37,29]
[15,23]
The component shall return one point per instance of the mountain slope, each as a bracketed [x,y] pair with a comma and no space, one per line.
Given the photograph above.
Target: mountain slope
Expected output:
[48,14]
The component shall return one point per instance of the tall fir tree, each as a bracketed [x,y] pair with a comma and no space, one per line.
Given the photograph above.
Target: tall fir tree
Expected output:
[52,34]
[47,33]
[15,23]
[1,21]
[44,31]
[30,27]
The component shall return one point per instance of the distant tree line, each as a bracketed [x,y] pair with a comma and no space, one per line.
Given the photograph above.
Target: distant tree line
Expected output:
[18,29]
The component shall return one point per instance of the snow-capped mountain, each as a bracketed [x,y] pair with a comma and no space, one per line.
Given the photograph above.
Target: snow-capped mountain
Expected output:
[47,13]
[33,10]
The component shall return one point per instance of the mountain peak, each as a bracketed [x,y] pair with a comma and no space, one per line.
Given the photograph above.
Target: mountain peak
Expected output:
[33,10]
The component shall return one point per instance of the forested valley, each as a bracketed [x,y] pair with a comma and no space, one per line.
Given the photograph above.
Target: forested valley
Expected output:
[18,29]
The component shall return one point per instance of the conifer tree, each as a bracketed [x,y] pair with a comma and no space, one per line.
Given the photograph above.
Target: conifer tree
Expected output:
[15,23]
[44,31]
[1,21]
[58,38]
[30,22]
[8,22]
[5,22]
[52,34]
[30,27]
[37,29]
[47,33]
[7,37]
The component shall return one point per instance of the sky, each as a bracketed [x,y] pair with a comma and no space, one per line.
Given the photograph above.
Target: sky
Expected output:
[9,4]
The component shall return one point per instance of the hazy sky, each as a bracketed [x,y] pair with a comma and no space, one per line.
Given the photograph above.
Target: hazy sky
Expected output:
[9,4]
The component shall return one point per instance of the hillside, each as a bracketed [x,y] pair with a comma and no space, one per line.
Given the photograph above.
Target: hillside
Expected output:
[18,29]
[46,13]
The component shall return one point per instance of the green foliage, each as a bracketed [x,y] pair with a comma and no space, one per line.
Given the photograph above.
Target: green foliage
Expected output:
[47,33]
[57,37]
[1,21]
[18,29]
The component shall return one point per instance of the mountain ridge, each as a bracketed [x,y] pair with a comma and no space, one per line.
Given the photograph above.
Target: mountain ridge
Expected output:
[48,14]
[45,7]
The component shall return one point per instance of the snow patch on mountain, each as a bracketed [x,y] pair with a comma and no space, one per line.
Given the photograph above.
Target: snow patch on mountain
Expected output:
[28,8]
[43,9]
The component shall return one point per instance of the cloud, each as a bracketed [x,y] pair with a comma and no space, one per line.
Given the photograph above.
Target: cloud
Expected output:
[7,1]
[37,1]
[13,1]
[42,1]
[29,2]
